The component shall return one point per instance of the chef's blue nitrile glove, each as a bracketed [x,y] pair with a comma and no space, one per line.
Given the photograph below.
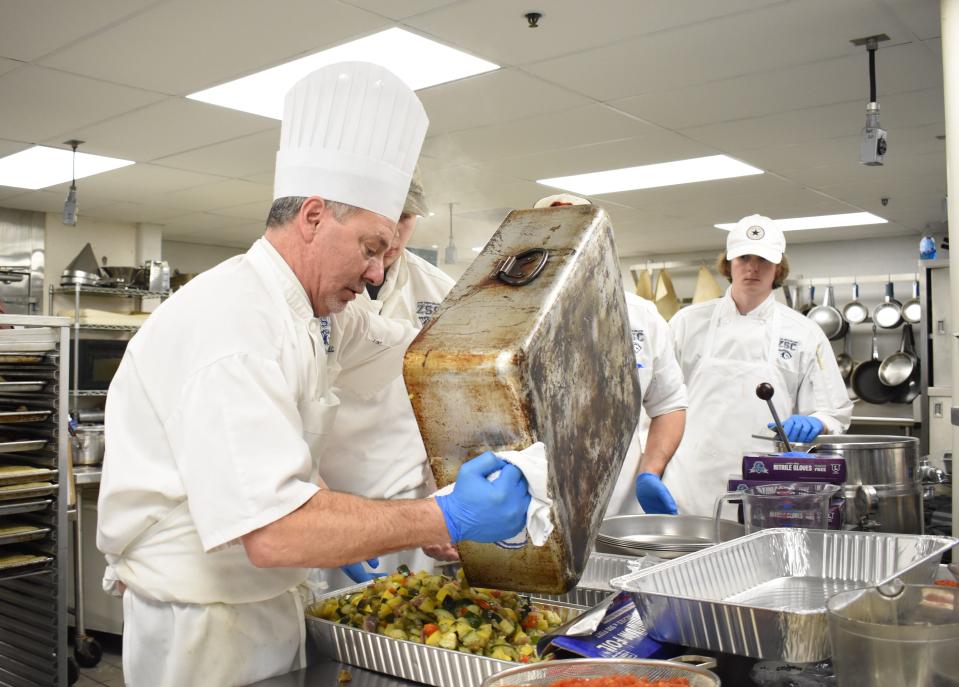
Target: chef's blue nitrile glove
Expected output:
[357,573]
[653,495]
[484,511]
[801,428]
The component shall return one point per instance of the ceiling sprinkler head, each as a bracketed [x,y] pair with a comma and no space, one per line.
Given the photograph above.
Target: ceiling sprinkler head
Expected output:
[533,18]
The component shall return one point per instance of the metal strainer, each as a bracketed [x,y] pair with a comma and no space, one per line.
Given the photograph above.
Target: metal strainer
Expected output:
[545,674]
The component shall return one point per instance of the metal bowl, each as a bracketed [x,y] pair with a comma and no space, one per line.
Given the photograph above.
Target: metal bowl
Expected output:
[120,276]
[666,536]
[545,674]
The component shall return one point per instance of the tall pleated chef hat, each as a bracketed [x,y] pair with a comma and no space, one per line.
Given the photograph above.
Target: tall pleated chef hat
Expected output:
[352,133]
[560,199]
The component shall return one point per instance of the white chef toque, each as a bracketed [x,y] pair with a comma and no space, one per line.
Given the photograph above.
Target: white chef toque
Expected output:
[351,133]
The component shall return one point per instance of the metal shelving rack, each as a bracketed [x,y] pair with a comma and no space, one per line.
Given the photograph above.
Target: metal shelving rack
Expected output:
[79,290]
[33,598]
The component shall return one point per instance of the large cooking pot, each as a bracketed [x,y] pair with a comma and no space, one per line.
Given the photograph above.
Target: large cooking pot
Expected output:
[90,445]
[883,486]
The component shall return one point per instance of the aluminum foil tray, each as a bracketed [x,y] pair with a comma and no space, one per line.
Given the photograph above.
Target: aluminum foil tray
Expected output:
[429,665]
[764,595]
[594,585]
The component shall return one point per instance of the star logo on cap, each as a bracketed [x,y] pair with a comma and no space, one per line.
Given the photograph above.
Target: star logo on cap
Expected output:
[755,232]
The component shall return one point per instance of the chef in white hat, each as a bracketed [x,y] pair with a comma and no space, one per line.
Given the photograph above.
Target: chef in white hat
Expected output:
[210,513]
[639,488]
[729,345]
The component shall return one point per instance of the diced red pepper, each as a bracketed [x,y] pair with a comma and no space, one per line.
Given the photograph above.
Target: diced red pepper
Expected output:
[481,603]
[429,629]
[531,621]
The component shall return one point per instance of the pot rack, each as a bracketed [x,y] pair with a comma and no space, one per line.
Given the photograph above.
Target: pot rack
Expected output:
[672,265]
[864,279]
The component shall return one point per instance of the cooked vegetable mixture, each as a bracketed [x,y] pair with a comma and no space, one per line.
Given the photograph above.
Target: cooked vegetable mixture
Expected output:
[441,611]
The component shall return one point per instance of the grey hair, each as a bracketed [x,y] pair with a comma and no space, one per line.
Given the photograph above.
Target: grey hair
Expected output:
[285,209]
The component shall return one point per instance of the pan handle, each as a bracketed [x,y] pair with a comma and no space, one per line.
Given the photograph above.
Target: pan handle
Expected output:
[522,268]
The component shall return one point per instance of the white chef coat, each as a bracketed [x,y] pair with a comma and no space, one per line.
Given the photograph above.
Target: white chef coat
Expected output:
[374,448]
[724,355]
[210,421]
[661,383]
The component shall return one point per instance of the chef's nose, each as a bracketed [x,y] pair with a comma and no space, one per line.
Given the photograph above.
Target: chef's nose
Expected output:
[374,272]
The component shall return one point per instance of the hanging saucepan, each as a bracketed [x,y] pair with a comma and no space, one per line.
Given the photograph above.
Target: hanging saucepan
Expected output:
[897,368]
[909,389]
[828,318]
[888,314]
[844,359]
[865,378]
[854,312]
[806,307]
[912,309]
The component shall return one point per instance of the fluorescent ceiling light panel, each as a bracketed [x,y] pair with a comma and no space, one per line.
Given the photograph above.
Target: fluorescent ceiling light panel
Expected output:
[418,61]
[848,219]
[652,176]
[40,166]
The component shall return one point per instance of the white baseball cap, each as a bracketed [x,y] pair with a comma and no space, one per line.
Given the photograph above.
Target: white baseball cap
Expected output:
[352,133]
[756,235]
[560,199]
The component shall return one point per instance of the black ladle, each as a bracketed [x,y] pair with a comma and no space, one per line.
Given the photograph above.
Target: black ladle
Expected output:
[765,391]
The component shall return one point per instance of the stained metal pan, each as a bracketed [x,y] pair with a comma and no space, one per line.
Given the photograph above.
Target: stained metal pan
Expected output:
[20,474]
[13,416]
[20,358]
[17,507]
[13,561]
[27,490]
[764,595]
[666,536]
[14,534]
[22,446]
[21,387]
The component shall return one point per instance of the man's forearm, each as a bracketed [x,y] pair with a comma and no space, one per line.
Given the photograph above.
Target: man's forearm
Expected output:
[665,433]
[333,528]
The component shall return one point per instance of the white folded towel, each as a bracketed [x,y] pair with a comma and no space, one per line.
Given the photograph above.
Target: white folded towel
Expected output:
[532,463]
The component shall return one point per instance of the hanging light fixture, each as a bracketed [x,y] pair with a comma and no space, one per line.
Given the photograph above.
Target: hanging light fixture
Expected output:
[451,249]
[70,206]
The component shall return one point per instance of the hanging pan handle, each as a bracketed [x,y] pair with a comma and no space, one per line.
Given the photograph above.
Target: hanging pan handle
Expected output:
[522,268]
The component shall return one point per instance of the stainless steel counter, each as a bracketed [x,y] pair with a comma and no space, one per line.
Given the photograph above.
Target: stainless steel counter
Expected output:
[324,673]
[87,474]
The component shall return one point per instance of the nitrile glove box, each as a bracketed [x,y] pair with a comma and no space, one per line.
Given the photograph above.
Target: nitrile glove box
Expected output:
[775,467]
[836,505]
[620,634]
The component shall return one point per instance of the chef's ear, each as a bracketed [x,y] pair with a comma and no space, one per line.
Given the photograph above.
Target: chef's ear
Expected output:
[311,215]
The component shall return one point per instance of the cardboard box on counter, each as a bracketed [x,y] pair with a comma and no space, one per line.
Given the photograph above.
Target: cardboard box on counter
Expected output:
[836,505]
[774,467]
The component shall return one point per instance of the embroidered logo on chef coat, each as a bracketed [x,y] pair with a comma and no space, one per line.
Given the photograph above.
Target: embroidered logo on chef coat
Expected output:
[639,338]
[325,334]
[755,232]
[788,348]
[425,310]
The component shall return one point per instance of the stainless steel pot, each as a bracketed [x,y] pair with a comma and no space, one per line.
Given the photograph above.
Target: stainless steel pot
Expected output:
[828,318]
[90,445]
[883,488]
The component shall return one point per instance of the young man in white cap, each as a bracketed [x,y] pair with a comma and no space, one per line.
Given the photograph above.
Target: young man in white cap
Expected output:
[375,448]
[639,488]
[726,347]
[210,513]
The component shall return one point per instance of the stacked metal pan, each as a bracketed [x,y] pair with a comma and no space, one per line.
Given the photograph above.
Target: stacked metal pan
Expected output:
[665,536]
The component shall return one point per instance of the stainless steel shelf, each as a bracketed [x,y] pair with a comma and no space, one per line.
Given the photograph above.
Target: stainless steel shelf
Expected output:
[107,327]
[89,392]
[106,291]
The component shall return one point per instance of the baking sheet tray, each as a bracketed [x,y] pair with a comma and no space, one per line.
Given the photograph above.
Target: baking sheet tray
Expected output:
[18,562]
[22,446]
[19,474]
[24,491]
[20,358]
[26,386]
[12,416]
[430,665]
[31,506]
[14,533]
[764,595]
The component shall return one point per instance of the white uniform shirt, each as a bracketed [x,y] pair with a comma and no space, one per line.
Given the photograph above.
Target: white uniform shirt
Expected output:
[661,382]
[375,449]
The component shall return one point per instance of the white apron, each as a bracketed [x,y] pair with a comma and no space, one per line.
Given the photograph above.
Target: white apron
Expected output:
[723,408]
[206,618]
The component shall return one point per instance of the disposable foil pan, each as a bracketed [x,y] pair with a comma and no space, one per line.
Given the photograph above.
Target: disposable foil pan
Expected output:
[594,585]
[764,595]
[429,665]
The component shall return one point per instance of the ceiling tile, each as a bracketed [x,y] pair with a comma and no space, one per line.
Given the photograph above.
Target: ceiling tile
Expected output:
[143,183]
[137,212]
[173,126]
[183,46]
[398,9]
[501,96]
[221,195]
[237,235]
[196,221]
[497,29]
[8,65]
[920,16]
[249,211]
[901,68]
[47,201]
[38,103]
[34,28]
[235,158]
[550,131]
[800,32]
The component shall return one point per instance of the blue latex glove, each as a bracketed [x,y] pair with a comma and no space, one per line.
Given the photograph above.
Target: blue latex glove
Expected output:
[801,428]
[484,511]
[653,495]
[357,573]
